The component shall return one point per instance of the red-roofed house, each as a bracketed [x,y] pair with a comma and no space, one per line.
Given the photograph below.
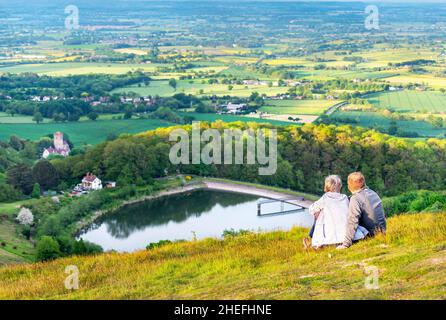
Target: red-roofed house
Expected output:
[91,183]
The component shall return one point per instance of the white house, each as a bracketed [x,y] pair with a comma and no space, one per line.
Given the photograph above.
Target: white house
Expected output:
[91,183]
[234,108]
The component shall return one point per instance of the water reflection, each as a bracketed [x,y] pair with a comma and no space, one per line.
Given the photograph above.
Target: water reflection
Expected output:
[204,213]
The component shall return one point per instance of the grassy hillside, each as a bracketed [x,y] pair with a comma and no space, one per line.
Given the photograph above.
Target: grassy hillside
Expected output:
[411,260]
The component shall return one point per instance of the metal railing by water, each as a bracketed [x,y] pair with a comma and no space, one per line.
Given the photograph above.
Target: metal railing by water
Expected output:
[289,200]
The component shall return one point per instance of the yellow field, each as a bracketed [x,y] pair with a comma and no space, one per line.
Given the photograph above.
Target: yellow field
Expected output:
[287,61]
[381,58]
[236,60]
[427,79]
[137,52]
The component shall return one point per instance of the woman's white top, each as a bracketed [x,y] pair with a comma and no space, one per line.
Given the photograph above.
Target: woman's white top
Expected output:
[331,224]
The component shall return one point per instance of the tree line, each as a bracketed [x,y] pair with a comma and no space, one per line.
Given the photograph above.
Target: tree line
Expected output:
[306,155]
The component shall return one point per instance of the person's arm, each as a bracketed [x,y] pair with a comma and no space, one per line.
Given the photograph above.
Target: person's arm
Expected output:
[354,212]
[316,208]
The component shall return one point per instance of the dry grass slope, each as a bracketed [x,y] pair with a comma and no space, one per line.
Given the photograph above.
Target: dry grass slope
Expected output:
[411,261]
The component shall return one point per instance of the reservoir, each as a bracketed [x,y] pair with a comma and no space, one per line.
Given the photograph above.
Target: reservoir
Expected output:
[197,214]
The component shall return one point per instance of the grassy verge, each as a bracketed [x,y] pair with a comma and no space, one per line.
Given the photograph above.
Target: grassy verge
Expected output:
[14,247]
[411,261]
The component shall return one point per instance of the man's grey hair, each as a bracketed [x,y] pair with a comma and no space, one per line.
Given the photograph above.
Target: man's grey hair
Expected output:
[333,183]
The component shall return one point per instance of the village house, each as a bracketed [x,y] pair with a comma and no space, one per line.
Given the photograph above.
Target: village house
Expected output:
[43,98]
[60,147]
[91,183]
[235,107]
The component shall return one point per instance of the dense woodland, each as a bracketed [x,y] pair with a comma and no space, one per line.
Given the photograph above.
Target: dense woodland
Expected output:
[306,155]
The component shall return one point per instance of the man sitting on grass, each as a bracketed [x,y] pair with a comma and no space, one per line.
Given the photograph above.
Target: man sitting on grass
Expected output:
[365,209]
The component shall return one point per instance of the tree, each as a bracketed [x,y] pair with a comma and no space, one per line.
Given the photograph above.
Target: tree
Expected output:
[44,143]
[393,128]
[173,83]
[47,249]
[20,176]
[38,118]
[45,175]
[128,114]
[59,117]
[9,193]
[25,217]
[16,143]
[93,116]
[36,191]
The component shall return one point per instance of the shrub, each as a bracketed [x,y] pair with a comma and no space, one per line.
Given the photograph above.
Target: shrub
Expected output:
[234,233]
[415,201]
[25,217]
[47,249]
[36,191]
[8,193]
[158,244]
[82,247]
[26,232]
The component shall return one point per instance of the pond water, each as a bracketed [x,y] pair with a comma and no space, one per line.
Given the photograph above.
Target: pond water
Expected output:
[201,214]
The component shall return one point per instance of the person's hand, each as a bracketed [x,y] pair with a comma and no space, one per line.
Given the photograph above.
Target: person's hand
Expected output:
[316,215]
[341,247]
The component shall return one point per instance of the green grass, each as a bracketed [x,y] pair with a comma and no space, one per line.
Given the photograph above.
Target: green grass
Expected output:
[76,68]
[376,120]
[244,73]
[303,107]
[322,75]
[411,264]
[410,101]
[82,132]
[6,118]
[162,89]
[17,249]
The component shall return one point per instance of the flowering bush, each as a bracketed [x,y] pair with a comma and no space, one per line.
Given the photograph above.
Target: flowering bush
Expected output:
[25,217]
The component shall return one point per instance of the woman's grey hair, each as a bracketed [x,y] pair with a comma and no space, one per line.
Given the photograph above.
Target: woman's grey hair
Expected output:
[333,184]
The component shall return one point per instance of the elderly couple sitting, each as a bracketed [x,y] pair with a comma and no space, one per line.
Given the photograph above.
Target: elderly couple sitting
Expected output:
[341,222]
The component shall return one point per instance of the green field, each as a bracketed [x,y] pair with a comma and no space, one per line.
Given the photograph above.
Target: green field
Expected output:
[374,119]
[323,75]
[6,118]
[410,101]
[242,72]
[76,68]
[82,132]
[162,89]
[93,132]
[303,107]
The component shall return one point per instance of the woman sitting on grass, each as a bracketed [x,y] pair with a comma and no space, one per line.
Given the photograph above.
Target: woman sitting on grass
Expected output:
[330,213]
